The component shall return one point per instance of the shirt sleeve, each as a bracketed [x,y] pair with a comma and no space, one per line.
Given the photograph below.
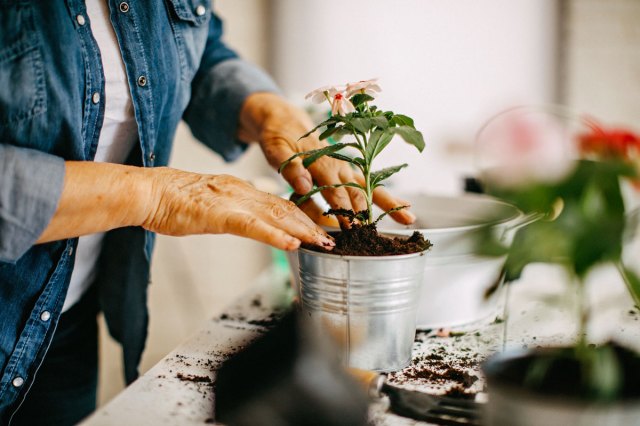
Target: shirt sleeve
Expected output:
[30,187]
[219,89]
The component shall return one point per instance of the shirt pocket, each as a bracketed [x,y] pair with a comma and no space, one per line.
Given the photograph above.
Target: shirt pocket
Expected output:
[189,21]
[22,81]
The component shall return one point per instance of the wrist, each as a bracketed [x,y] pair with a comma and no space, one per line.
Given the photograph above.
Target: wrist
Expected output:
[147,186]
[257,110]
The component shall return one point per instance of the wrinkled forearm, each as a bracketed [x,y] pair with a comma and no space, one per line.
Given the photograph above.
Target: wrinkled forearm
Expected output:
[98,197]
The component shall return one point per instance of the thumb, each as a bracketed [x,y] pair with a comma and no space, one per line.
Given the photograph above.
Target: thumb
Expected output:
[277,151]
[298,177]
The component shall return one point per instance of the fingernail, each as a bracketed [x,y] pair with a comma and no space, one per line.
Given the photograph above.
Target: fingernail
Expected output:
[329,245]
[293,243]
[302,185]
[410,216]
[327,242]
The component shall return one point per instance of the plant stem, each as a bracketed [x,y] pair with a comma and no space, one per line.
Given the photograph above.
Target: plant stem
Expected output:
[368,193]
[583,317]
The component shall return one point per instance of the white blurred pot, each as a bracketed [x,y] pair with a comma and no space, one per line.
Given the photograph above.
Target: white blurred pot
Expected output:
[456,278]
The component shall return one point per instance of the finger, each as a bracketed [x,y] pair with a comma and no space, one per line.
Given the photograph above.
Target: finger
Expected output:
[358,199]
[277,150]
[338,198]
[287,216]
[383,199]
[251,227]
[315,213]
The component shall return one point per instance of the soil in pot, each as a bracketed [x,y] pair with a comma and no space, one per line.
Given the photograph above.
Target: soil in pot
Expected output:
[564,376]
[364,240]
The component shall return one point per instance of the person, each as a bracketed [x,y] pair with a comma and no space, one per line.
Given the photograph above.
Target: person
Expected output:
[91,93]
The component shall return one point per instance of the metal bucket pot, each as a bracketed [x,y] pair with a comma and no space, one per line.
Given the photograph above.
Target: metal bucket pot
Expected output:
[456,278]
[511,405]
[368,304]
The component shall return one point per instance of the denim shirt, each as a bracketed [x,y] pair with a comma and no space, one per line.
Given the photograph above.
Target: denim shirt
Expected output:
[50,72]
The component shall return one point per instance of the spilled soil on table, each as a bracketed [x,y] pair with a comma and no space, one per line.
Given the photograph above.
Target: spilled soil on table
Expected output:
[455,374]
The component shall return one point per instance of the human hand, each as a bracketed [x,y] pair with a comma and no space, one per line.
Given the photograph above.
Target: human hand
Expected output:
[277,126]
[186,203]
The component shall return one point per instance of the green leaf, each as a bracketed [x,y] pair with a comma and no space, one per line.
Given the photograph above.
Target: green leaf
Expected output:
[362,125]
[360,99]
[351,160]
[328,122]
[411,136]
[603,373]
[402,120]
[360,162]
[377,142]
[330,131]
[380,175]
[632,281]
[314,152]
[315,190]
[313,156]
[380,121]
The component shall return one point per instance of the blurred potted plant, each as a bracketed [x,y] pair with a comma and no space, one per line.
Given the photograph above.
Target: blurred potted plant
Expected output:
[549,160]
[365,290]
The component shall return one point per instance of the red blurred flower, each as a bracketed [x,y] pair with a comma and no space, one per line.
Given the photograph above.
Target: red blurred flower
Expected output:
[609,143]
[612,144]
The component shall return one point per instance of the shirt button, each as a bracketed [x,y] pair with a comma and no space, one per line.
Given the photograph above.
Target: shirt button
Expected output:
[70,251]
[152,157]
[142,81]
[45,316]
[124,7]
[95,98]
[80,20]
[17,382]
[200,10]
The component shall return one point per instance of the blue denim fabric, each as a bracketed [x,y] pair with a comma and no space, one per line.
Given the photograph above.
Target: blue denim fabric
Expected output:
[65,391]
[49,69]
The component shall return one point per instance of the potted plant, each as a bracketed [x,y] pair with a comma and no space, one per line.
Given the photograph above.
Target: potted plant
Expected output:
[364,290]
[548,160]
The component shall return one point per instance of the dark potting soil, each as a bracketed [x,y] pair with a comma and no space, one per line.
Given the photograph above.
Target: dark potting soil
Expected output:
[194,378]
[460,392]
[457,375]
[364,240]
[564,376]
[446,375]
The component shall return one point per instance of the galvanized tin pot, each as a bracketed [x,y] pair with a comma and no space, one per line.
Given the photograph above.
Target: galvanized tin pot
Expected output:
[456,277]
[367,303]
[511,405]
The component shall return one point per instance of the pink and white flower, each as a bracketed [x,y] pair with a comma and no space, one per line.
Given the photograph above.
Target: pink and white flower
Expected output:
[368,87]
[340,105]
[325,93]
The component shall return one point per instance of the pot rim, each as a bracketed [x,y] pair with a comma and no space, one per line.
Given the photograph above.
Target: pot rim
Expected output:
[391,257]
[494,361]
[517,215]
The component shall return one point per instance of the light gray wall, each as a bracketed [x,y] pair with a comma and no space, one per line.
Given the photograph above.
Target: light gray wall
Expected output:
[448,64]
[602,59]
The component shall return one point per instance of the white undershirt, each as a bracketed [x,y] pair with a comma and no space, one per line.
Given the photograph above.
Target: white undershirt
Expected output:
[118,136]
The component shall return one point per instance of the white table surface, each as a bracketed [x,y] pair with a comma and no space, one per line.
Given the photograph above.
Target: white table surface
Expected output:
[536,314]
